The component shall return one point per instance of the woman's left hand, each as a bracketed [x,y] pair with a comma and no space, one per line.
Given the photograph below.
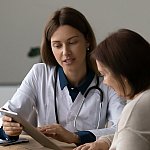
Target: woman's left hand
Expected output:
[58,132]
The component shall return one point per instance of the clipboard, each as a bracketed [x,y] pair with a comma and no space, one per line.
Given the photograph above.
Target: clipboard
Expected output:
[31,130]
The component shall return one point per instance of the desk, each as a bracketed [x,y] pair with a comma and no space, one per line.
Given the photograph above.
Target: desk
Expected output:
[34,145]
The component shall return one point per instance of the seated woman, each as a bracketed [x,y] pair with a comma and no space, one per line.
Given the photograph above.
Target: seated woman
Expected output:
[72,103]
[123,58]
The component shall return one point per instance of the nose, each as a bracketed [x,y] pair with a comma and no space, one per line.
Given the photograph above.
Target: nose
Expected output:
[66,50]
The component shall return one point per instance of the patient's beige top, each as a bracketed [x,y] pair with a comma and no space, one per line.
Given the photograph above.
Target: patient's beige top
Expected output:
[133,132]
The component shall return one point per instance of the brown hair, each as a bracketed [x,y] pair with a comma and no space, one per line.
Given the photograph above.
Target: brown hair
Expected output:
[126,54]
[66,16]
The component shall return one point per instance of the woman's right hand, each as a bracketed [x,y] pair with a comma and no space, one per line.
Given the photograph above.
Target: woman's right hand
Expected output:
[10,127]
[97,145]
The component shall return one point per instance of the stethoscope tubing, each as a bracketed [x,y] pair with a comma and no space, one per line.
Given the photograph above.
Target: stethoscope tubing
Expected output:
[85,95]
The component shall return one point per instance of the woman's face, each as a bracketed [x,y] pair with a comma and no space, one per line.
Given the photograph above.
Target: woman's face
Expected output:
[111,81]
[69,48]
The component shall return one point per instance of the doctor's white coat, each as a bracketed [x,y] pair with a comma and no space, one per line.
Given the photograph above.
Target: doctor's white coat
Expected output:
[36,94]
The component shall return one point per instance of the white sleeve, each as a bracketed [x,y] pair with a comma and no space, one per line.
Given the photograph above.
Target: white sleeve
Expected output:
[115,107]
[24,100]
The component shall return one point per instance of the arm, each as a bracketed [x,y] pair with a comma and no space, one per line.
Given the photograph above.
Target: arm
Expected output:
[134,141]
[134,125]
[113,106]
[88,136]
[24,99]
[22,102]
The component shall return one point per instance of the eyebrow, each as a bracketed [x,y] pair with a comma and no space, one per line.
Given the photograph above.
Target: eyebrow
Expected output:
[68,38]
[72,37]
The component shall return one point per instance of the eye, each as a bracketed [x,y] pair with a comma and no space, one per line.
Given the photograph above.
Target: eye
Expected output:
[101,74]
[56,45]
[73,41]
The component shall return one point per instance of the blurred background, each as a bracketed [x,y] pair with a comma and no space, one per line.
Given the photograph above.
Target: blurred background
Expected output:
[22,23]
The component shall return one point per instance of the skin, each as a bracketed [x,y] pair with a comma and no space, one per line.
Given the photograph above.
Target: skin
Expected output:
[11,128]
[59,133]
[111,81]
[97,145]
[69,48]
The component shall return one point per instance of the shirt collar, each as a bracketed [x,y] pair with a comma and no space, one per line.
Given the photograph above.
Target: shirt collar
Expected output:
[82,87]
[62,78]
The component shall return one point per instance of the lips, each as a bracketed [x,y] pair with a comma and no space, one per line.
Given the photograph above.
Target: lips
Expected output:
[68,61]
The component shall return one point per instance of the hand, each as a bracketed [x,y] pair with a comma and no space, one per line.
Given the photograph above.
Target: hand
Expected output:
[97,145]
[57,132]
[11,128]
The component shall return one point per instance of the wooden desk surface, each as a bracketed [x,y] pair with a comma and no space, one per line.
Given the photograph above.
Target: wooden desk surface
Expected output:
[34,145]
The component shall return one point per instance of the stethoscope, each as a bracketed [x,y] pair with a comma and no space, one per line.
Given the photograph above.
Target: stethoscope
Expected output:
[85,95]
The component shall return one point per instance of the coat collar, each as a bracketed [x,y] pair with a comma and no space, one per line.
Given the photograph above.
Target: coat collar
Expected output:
[82,86]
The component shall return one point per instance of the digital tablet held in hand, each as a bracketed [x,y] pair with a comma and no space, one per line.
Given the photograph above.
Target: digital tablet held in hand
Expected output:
[31,130]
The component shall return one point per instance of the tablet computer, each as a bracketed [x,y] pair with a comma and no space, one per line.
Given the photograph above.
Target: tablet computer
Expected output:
[31,130]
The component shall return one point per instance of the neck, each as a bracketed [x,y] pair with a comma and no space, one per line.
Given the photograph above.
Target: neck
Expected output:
[76,76]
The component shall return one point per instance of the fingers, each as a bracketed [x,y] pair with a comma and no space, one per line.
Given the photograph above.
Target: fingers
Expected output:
[97,145]
[57,132]
[49,132]
[50,129]
[83,147]
[6,118]
[11,128]
[13,132]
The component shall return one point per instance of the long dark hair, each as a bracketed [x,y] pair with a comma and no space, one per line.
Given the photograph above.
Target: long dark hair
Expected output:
[66,16]
[126,54]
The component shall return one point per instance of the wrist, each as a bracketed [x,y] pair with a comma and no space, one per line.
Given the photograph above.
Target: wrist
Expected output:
[103,143]
[76,139]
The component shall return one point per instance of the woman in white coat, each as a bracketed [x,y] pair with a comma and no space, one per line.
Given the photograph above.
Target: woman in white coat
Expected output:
[59,90]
